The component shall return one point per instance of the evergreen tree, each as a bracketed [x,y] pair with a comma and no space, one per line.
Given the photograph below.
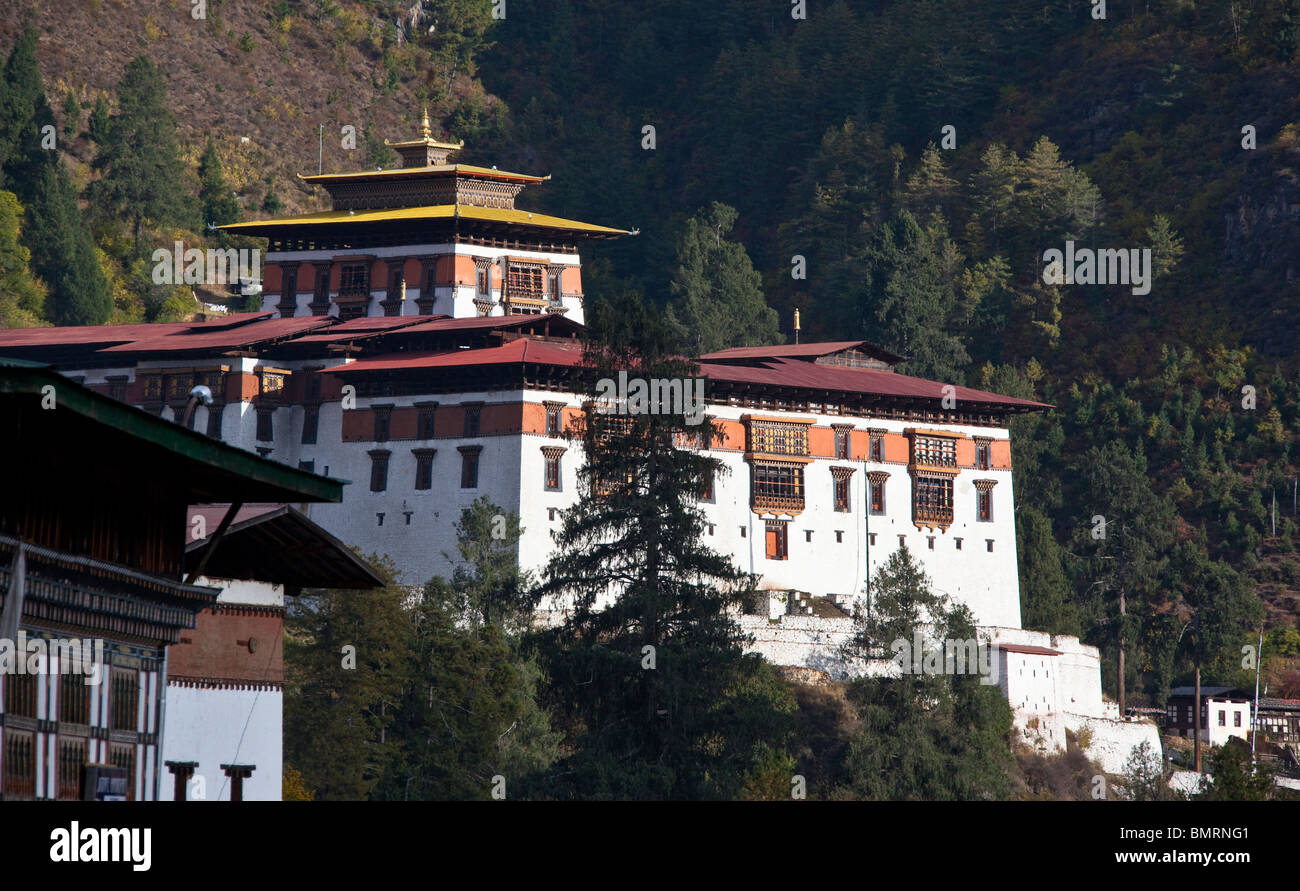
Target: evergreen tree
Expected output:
[718,294]
[100,120]
[345,667]
[22,296]
[218,202]
[139,158]
[20,94]
[71,115]
[931,736]
[657,697]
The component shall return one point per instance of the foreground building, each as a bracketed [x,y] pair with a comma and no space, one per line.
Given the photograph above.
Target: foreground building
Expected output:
[93,578]
[421,338]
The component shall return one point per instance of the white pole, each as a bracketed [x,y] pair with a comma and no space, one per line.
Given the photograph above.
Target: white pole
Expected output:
[1254,719]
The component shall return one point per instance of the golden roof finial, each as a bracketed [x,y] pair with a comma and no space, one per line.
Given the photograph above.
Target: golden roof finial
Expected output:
[425,130]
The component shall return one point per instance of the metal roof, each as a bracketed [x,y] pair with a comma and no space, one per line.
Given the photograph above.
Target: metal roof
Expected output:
[197,337]
[431,172]
[810,350]
[429,212]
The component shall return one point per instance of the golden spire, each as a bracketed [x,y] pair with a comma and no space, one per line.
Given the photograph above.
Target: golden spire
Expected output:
[425,130]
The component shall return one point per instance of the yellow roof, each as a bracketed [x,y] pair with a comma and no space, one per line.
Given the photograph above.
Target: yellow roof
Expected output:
[468,169]
[433,212]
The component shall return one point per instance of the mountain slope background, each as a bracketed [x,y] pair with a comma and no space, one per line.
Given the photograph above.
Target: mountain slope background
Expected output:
[827,135]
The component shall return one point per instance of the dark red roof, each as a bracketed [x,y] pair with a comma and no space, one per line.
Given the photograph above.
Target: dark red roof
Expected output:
[808,350]
[539,352]
[196,337]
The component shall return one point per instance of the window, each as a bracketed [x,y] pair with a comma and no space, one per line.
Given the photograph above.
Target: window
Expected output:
[842,443]
[423,468]
[1223,718]
[265,431]
[311,386]
[933,500]
[981,454]
[272,383]
[74,699]
[72,758]
[902,541]
[379,469]
[842,493]
[930,540]
[380,518]
[473,415]
[424,419]
[124,707]
[309,466]
[876,484]
[839,536]
[153,388]
[525,282]
[310,424]
[778,547]
[20,694]
[777,487]
[877,447]
[383,422]
[708,485]
[469,466]
[19,780]
[743,533]
[957,542]
[354,278]
[553,421]
[482,276]
[989,542]
[984,500]
[117,388]
[934,451]
[552,455]
[777,438]
[871,539]
[1236,719]
[178,387]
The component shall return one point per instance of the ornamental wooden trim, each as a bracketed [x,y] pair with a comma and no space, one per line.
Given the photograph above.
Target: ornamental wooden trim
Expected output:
[843,473]
[984,485]
[553,452]
[877,476]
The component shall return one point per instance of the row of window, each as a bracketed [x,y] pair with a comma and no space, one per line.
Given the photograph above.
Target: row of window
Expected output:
[74,698]
[469,467]
[777,543]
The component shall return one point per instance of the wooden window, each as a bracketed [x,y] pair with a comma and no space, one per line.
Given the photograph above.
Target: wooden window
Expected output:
[930,540]
[153,385]
[932,499]
[957,542]
[383,422]
[777,487]
[424,419]
[20,693]
[981,455]
[309,466]
[743,533]
[124,705]
[379,469]
[310,424]
[708,485]
[524,281]
[117,388]
[553,415]
[482,277]
[473,416]
[839,536]
[989,542]
[272,383]
[842,494]
[178,387]
[311,387]
[871,539]
[807,535]
[74,699]
[877,447]
[469,467]
[289,288]
[19,779]
[423,468]
[842,443]
[354,278]
[72,762]
[123,756]
[776,438]
[934,451]
[553,473]
[777,542]
[984,500]
[265,428]
[877,497]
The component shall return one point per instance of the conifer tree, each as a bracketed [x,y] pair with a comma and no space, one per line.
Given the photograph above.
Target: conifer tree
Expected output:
[718,294]
[139,158]
[219,204]
[62,252]
[649,662]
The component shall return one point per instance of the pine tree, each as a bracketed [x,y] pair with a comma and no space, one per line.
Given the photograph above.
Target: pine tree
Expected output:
[218,202]
[140,158]
[62,252]
[71,115]
[648,669]
[718,294]
[100,120]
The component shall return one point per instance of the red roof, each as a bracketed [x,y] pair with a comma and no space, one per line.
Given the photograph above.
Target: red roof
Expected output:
[196,337]
[810,350]
[539,352]
[364,327]
[807,375]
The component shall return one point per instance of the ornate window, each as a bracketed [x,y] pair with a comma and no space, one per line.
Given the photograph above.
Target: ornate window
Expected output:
[876,446]
[469,456]
[310,424]
[842,432]
[841,477]
[423,468]
[777,437]
[525,282]
[383,422]
[934,451]
[876,480]
[424,419]
[265,430]
[777,487]
[552,455]
[354,278]
[932,500]
[554,418]
[473,415]
[984,500]
[777,540]
[982,453]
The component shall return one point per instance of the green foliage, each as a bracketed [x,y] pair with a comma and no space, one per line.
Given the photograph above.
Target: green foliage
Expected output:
[718,294]
[22,296]
[1234,777]
[140,157]
[218,201]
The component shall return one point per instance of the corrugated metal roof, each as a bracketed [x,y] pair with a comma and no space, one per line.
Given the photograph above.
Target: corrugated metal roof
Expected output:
[812,350]
[514,352]
[73,335]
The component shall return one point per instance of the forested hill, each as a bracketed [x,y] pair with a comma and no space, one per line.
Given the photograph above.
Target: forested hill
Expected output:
[808,139]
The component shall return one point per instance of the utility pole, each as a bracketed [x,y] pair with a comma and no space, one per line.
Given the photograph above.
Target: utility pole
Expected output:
[1122,612]
[1254,717]
[320,148]
[1197,715]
